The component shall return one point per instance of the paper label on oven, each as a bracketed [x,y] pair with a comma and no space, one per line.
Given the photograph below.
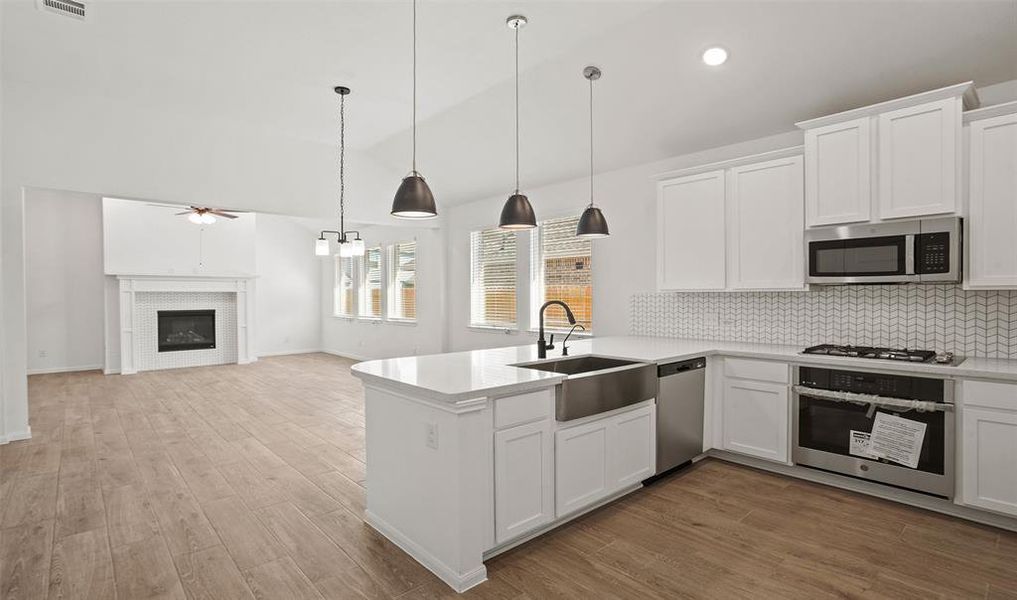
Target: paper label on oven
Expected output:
[860,444]
[897,439]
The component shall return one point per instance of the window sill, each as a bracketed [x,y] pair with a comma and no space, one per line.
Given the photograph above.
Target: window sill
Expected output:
[493,329]
[403,322]
[577,334]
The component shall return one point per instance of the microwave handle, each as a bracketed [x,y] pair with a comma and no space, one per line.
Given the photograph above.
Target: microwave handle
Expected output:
[909,254]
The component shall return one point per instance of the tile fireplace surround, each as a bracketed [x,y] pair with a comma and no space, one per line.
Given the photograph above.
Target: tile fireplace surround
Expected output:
[140,299]
[930,317]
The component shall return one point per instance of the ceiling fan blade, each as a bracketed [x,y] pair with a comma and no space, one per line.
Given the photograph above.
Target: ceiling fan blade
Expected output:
[220,213]
[186,212]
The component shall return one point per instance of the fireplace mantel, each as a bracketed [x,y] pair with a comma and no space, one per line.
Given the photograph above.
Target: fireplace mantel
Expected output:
[130,285]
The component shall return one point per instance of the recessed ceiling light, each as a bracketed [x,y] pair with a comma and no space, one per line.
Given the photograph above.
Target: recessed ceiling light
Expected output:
[715,56]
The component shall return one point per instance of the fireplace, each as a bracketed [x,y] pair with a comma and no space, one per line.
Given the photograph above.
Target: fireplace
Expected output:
[186,330]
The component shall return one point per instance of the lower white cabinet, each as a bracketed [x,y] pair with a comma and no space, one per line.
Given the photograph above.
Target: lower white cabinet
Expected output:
[756,418]
[598,458]
[988,443]
[523,479]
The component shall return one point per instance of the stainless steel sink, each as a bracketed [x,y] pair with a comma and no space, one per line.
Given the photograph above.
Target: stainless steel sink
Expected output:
[597,384]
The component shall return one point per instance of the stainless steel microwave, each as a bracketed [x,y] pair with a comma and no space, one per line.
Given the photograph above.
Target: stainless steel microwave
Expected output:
[911,251]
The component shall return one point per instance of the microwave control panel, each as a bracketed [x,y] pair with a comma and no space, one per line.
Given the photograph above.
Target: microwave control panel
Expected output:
[932,253]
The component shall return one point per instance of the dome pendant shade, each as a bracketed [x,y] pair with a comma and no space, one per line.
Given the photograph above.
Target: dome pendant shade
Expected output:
[592,224]
[517,213]
[413,199]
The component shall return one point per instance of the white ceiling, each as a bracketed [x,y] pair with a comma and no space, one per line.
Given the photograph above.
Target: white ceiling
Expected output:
[271,66]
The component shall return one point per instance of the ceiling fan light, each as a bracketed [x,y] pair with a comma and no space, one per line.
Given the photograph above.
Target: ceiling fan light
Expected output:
[207,219]
[413,199]
[592,224]
[194,218]
[321,247]
[517,214]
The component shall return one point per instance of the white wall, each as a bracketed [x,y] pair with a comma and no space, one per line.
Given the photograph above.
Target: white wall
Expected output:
[380,339]
[288,286]
[64,280]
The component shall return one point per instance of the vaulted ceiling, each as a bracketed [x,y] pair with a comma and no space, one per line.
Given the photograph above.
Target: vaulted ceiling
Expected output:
[270,67]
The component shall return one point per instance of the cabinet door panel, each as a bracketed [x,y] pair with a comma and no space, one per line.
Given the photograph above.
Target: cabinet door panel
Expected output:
[756,419]
[990,459]
[838,167]
[690,232]
[765,213]
[632,447]
[581,466]
[918,165]
[992,220]
[524,481]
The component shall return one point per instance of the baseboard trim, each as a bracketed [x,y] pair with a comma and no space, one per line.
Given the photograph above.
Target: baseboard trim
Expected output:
[345,355]
[289,352]
[459,583]
[16,436]
[52,370]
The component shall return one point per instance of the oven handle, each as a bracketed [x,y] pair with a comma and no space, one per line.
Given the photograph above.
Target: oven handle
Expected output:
[835,396]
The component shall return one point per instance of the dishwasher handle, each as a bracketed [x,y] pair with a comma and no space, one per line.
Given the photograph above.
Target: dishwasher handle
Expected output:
[675,368]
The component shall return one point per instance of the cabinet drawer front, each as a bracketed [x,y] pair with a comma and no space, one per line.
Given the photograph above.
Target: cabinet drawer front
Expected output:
[989,394]
[515,410]
[758,370]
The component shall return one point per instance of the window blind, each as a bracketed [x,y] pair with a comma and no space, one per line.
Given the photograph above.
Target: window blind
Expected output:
[343,296]
[370,290]
[403,281]
[561,267]
[493,278]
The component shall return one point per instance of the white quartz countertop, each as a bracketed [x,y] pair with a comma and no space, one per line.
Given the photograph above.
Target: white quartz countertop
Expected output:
[458,376]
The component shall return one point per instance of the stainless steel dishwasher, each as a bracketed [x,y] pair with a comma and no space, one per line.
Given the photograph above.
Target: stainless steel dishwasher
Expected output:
[680,396]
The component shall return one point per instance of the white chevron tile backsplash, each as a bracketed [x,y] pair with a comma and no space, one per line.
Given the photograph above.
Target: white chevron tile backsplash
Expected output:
[944,318]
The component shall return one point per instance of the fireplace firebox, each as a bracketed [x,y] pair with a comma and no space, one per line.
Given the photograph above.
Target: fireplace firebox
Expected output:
[186,330]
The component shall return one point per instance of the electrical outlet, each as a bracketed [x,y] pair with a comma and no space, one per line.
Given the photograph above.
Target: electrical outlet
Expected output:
[43,353]
[431,433]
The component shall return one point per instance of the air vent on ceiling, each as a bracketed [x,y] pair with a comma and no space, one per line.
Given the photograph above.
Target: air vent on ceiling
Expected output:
[67,8]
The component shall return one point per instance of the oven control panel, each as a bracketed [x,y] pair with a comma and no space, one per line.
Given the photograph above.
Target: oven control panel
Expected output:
[880,384]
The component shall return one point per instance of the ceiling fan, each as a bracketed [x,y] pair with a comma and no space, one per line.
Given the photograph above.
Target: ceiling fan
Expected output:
[204,215]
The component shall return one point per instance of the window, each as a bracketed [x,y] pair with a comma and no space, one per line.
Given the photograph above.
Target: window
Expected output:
[370,286]
[345,292]
[402,277]
[561,269]
[493,278]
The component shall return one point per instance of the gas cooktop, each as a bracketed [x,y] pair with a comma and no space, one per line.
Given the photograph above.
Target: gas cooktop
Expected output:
[901,354]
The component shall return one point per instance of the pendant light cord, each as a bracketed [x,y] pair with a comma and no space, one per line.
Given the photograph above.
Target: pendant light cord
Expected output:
[342,166]
[591,142]
[517,107]
[414,87]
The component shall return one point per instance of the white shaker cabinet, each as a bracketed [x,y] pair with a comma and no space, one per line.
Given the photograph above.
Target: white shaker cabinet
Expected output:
[838,171]
[992,211]
[523,479]
[755,415]
[765,221]
[988,446]
[918,160]
[598,458]
[690,232]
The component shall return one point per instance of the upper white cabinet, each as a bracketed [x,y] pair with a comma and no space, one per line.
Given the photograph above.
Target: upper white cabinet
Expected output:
[765,223]
[988,446]
[736,227]
[690,232]
[991,252]
[918,159]
[838,160]
[892,160]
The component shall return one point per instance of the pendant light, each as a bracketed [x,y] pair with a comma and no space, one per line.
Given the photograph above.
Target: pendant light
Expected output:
[517,213]
[413,199]
[592,223]
[347,246]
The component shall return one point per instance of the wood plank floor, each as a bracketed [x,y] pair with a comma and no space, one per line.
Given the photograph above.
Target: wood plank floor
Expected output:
[246,482]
